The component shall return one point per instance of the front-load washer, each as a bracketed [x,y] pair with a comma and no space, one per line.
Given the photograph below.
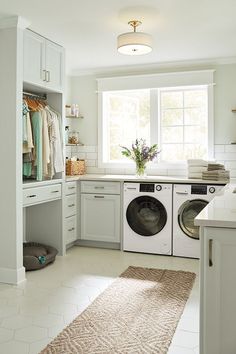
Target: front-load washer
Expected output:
[188,201]
[147,218]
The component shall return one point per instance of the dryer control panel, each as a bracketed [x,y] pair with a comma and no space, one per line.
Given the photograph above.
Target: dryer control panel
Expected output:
[198,189]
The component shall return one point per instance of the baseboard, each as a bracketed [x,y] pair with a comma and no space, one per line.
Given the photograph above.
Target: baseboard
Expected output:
[12,276]
[98,244]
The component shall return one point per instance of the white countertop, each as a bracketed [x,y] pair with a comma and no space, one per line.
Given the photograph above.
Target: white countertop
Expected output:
[221,211]
[133,178]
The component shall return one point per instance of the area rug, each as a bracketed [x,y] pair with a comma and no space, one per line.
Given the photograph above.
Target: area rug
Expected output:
[137,313]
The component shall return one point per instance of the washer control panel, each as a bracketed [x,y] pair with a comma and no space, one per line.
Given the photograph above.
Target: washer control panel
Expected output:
[147,187]
[158,187]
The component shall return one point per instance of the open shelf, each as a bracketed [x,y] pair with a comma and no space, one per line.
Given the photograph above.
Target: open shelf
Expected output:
[79,144]
[74,117]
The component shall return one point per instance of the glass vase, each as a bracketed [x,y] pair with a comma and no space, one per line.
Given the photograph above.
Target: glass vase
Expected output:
[141,170]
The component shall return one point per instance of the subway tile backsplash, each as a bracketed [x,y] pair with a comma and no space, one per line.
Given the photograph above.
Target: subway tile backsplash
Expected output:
[224,153]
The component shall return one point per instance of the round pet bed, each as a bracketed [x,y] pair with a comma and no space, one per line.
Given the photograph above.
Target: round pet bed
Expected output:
[37,256]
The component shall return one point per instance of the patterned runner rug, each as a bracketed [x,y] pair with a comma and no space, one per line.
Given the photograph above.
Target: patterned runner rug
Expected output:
[137,313]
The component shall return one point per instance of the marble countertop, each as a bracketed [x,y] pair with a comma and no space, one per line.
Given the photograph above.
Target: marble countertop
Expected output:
[133,178]
[221,211]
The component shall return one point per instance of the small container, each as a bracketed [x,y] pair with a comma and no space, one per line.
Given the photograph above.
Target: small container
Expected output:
[67,134]
[73,109]
[77,110]
[73,137]
[68,110]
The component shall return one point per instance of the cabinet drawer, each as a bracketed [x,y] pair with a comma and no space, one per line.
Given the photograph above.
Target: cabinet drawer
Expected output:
[99,187]
[42,194]
[70,188]
[70,205]
[70,229]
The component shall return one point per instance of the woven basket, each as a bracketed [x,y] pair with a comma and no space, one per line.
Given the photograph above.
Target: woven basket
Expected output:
[75,168]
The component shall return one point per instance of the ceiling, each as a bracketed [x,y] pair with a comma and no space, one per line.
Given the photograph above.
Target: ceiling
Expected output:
[182,30]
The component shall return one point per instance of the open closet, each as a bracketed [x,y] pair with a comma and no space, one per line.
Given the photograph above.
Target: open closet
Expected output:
[43,167]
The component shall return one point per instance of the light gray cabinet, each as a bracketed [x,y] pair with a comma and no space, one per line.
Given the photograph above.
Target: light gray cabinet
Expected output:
[218,291]
[100,212]
[43,62]
[70,213]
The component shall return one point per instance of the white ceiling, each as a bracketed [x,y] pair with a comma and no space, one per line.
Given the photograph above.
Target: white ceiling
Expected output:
[182,30]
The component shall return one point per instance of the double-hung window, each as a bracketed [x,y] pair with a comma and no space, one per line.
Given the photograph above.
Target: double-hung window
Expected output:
[176,117]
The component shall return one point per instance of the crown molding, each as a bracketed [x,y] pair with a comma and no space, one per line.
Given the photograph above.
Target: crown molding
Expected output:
[14,22]
[146,68]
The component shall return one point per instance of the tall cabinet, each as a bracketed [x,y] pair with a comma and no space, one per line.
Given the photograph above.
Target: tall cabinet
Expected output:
[44,73]
[40,71]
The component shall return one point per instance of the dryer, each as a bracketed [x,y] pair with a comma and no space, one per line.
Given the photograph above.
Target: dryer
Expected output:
[147,218]
[188,201]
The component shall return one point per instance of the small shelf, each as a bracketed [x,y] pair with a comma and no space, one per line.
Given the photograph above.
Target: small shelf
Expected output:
[74,117]
[79,144]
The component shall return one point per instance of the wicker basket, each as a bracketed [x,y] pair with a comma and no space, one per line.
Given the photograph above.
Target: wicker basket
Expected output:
[75,167]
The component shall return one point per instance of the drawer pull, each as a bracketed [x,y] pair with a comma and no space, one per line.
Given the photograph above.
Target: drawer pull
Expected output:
[99,196]
[71,187]
[99,187]
[210,253]
[54,191]
[71,229]
[71,205]
[31,196]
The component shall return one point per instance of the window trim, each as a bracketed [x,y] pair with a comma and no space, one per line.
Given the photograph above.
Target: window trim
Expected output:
[198,78]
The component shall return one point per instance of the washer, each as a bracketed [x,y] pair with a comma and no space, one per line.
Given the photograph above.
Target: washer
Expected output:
[188,201]
[147,218]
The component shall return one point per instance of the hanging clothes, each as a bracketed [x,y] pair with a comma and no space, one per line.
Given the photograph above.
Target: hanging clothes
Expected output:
[42,140]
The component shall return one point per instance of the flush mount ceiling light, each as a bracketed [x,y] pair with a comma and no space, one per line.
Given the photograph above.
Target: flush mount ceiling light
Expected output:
[134,43]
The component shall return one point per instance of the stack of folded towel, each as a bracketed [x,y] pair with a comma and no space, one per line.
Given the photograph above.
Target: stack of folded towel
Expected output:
[196,167]
[215,172]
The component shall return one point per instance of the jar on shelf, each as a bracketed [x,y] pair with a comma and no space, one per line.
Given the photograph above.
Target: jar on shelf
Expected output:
[68,110]
[73,137]
[67,134]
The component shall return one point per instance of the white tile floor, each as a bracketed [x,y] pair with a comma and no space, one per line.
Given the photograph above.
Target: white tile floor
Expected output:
[33,313]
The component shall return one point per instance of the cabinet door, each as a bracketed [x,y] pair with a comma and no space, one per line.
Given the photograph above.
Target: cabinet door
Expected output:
[100,217]
[54,66]
[34,58]
[218,291]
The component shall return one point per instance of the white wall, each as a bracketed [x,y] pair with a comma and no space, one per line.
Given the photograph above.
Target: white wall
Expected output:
[83,91]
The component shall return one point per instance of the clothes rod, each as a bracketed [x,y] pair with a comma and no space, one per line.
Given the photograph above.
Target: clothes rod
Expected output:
[34,95]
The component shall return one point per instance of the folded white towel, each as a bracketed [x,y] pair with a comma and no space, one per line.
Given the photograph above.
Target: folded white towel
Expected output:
[197,162]
[197,169]
[195,175]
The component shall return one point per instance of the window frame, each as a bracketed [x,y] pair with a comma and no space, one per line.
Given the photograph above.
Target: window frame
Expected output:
[155,120]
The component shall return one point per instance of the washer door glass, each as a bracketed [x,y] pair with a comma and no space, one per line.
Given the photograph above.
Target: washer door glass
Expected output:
[187,212]
[146,216]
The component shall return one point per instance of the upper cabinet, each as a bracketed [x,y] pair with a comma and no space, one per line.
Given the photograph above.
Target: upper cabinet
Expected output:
[43,62]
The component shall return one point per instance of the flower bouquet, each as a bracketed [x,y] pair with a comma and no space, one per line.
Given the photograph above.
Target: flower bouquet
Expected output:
[140,153]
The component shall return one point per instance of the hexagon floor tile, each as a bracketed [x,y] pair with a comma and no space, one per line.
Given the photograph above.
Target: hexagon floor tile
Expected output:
[31,334]
[34,312]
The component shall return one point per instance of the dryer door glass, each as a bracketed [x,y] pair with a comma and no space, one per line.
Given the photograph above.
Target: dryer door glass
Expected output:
[146,216]
[187,212]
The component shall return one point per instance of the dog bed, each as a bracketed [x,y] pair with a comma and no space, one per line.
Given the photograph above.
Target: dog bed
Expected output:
[37,255]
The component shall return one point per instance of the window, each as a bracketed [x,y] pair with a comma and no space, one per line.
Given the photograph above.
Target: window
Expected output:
[183,123]
[176,117]
[127,117]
